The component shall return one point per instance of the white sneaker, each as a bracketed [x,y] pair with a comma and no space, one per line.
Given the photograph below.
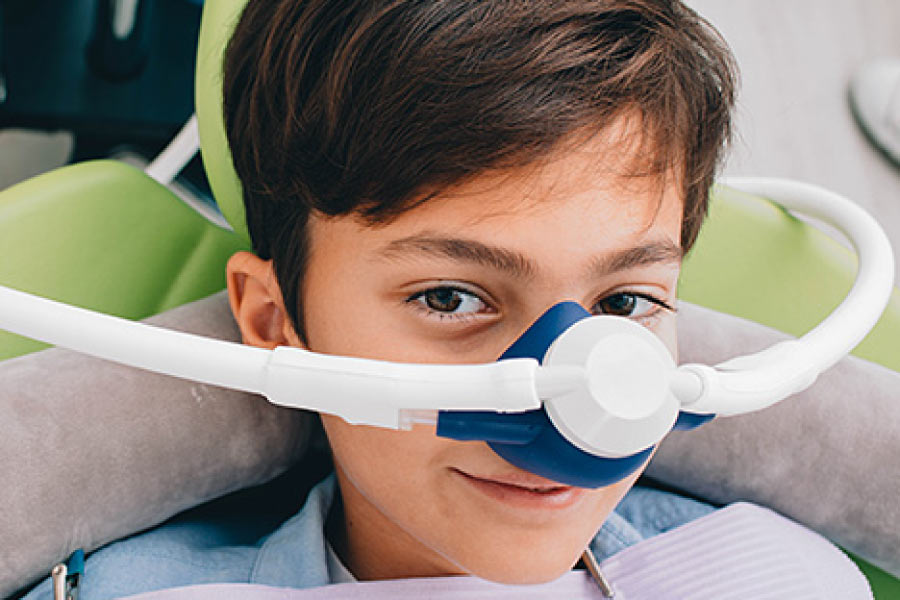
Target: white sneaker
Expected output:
[875,100]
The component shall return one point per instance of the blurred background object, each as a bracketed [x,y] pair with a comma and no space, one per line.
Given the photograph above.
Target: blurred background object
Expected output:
[875,100]
[111,74]
[796,60]
[117,48]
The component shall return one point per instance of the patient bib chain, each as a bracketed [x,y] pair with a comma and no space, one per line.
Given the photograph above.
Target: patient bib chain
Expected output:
[66,577]
[593,567]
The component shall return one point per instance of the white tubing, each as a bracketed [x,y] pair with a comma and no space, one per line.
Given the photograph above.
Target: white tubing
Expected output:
[359,390]
[850,322]
[175,157]
[375,392]
[750,383]
[166,351]
[379,392]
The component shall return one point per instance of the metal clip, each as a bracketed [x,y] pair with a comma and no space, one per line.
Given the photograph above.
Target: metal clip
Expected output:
[593,568]
[67,577]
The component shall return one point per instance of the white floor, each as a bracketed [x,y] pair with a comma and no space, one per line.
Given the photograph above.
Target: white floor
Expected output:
[795,56]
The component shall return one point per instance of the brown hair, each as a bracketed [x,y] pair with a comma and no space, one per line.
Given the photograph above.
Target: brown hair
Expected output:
[362,106]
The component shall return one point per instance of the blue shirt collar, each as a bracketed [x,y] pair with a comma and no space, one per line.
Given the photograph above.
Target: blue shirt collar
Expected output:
[296,554]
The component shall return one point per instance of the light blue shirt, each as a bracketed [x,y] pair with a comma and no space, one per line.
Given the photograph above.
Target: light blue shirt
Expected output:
[205,549]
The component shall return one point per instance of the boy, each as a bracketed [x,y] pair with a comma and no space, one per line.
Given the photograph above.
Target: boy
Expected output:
[422,180]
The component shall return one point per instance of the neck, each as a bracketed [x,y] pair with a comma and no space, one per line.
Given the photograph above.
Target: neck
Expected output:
[372,546]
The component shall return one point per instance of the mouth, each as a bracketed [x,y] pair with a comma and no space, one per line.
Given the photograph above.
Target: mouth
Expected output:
[522,490]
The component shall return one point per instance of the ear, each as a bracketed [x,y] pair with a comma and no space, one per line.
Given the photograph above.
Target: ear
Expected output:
[256,302]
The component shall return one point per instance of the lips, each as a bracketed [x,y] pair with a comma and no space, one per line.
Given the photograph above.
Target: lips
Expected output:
[522,490]
[520,480]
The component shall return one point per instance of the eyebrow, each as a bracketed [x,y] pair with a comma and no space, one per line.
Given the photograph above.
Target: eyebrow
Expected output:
[653,252]
[466,250]
[520,266]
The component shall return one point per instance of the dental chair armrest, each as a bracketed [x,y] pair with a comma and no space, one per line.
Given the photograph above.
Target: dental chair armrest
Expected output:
[826,457]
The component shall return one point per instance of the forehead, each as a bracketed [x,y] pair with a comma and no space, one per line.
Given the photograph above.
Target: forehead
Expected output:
[612,177]
[591,195]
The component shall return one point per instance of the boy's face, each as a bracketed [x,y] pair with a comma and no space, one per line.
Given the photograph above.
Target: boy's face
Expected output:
[457,280]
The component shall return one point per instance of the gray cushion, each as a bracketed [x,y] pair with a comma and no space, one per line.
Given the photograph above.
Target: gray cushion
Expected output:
[95,451]
[828,457]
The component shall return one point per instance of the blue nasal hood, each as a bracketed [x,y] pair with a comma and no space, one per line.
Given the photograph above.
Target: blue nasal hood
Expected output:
[529,439]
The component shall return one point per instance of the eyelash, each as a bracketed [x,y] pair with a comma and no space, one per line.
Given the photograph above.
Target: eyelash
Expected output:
[651,315]
[418,300]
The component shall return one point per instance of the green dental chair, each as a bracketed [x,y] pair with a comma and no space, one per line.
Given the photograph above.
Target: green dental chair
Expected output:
[103,235]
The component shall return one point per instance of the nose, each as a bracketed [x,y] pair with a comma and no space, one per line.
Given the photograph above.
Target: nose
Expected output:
[530,440]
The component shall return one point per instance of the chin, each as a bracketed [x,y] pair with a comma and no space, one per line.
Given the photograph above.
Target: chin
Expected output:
[538,566]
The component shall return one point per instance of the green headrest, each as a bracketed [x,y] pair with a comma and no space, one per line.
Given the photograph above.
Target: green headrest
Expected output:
[219,19]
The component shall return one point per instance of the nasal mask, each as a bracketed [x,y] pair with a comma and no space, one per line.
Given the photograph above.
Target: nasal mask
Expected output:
[579,399]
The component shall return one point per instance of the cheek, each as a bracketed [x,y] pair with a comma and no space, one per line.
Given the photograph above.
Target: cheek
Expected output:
[392,479]
[667,331]
[381,463]
[401,483]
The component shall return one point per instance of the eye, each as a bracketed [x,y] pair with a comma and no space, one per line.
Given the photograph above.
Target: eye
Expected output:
[449,301]
[631,305]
